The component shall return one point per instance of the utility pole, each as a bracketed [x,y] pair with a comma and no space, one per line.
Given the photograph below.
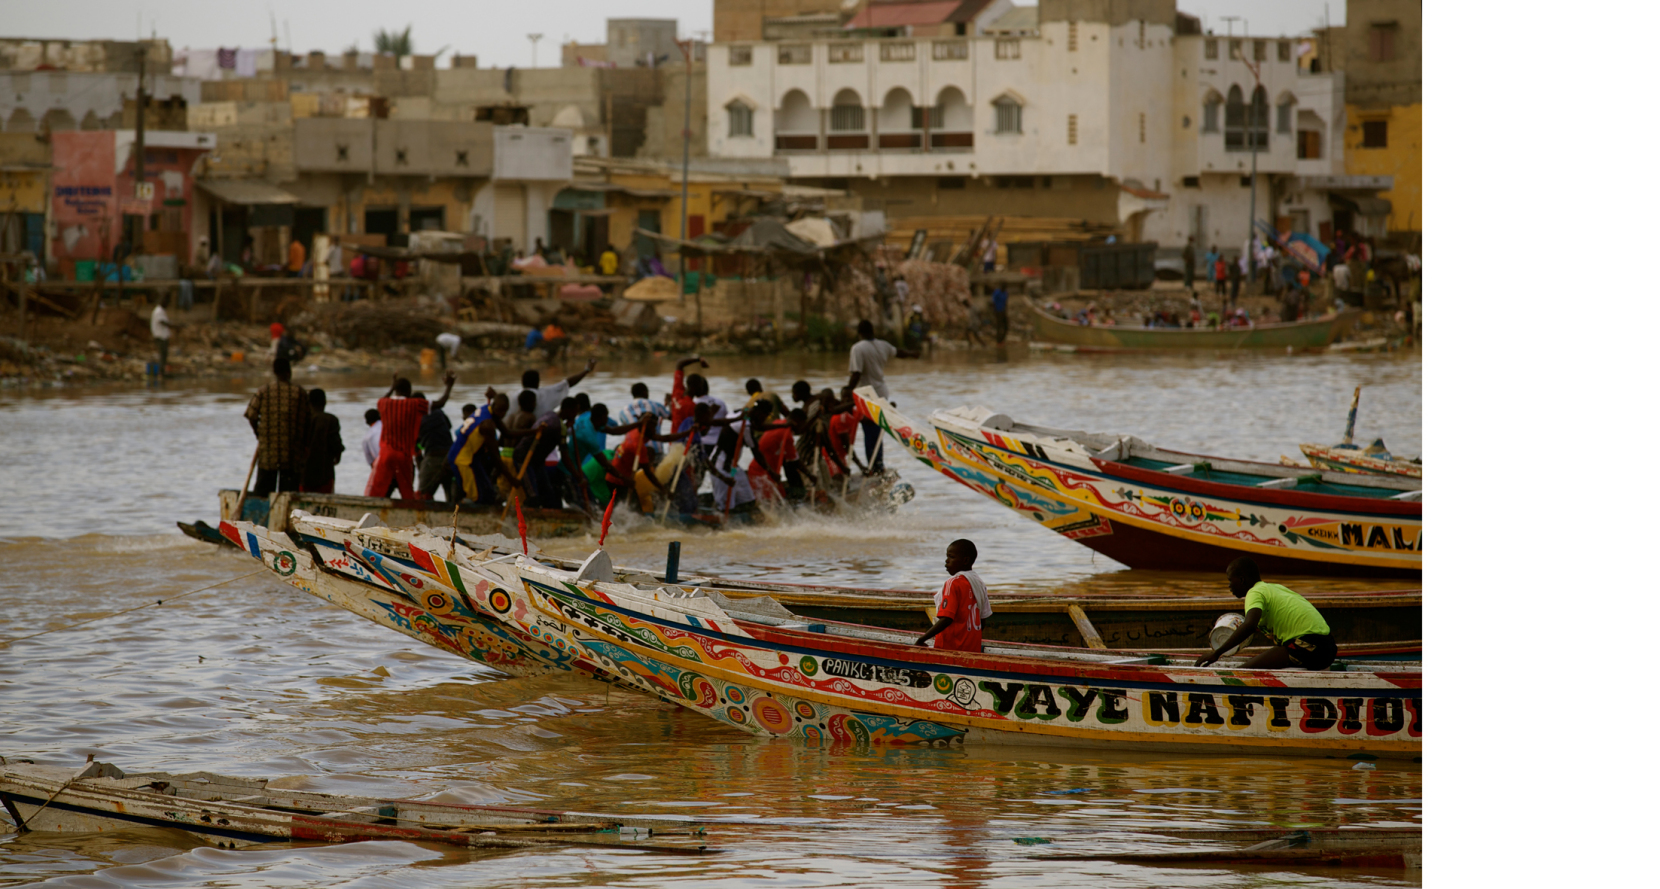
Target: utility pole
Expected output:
[686,176]
[1251,133]
[534,38]
[138,142]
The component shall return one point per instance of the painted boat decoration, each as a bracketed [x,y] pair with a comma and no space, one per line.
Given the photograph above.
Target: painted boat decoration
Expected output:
[420,608]
[782,678]
[1314,334]
[1369,623]
[1351,458]
[232,812]
[1148,507]
[1346,456]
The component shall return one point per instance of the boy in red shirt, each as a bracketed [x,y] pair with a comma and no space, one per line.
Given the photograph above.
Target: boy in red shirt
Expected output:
[961,606]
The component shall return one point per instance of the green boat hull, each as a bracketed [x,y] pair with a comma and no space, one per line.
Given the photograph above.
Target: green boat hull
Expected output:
[1315,334]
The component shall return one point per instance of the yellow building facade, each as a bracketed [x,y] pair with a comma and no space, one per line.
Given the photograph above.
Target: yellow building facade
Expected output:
[1400,130]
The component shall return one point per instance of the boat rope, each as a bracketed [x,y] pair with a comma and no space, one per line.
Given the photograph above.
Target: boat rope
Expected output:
[5,642]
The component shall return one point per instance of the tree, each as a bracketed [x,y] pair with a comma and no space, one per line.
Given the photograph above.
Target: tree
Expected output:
[399,44]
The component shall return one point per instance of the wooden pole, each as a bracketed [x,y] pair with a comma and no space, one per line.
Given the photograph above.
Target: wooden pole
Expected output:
[237,513]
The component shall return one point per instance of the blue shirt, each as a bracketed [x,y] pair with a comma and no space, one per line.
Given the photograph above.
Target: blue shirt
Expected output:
[1000,300]
[585,439]
[638,408]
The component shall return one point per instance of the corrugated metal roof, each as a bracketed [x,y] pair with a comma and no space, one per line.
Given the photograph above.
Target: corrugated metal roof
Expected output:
[246,191]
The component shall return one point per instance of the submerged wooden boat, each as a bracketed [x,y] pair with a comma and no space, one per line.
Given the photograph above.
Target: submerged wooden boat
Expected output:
[1148,507]
[1313,334]
[230,812]
[1388,847]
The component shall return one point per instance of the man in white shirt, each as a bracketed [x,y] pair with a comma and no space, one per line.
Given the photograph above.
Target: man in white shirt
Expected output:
[867,363]
[547,397]
[161,331]
[371,441]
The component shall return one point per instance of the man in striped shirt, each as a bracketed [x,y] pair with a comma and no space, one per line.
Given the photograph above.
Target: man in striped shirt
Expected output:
[400,417]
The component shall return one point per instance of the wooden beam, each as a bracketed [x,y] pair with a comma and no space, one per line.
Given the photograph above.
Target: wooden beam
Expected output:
[1092,638]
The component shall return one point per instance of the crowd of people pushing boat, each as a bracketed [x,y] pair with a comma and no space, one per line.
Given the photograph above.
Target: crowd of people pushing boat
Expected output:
[548,446]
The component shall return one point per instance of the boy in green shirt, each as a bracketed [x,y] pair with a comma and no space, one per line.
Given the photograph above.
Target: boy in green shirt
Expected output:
[1300,635]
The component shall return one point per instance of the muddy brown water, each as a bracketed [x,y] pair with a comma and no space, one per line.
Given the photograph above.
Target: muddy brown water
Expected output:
[255,678]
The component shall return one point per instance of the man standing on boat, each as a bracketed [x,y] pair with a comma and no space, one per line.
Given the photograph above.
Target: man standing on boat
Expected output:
[280,413]
[1301,636]
[867,363]
[961,606]
[400,417]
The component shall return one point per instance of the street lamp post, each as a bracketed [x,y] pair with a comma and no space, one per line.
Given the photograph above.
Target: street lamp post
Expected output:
[533,40]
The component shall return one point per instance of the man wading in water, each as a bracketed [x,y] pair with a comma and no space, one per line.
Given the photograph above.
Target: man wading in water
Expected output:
[1300,635]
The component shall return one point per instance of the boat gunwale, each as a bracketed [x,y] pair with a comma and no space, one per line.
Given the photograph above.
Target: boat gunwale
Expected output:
[1188,484]
[964,662]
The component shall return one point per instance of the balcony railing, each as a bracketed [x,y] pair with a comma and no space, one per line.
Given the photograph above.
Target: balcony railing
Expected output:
[951,140]
[950,50]
[842,53]
[796,143]
[849,142]
[899,140]
[898,52]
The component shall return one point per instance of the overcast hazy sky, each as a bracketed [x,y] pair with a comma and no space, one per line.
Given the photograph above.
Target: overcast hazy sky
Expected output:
[494,30]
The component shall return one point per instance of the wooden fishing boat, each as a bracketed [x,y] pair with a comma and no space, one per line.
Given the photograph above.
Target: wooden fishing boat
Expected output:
[232,812]
[1155,508]
[1313,334]
[781,677]
[1352,458]
[1346,456]
[1369,623]
[420,609]
[884,491]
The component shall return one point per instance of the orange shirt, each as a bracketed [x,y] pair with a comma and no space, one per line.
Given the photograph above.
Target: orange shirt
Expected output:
[680,404]
[956,601]
[778,448]
[842,429]
[625,458]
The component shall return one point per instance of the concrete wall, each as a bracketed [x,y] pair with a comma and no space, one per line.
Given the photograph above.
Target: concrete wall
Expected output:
[1402,158]
[319,140]
[434,148]
[742,19]
[536,154]
[630,42]
[71,100]
[664,122]
[108,56]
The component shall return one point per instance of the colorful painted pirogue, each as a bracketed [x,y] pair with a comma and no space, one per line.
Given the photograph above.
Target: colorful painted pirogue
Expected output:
[1369,623]
[1151,508]
[231,811]
[404,597]
[1313,334]
[1340,458]
[1346,456]
[783,678]
[780,676]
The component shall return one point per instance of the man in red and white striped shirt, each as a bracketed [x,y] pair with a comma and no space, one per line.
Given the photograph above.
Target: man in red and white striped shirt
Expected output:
[400,417]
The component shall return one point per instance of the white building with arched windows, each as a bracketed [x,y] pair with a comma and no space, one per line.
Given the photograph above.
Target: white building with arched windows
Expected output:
[1121,113]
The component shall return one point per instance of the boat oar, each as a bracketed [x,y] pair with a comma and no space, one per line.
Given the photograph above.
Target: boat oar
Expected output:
[236,515]
[1354,408]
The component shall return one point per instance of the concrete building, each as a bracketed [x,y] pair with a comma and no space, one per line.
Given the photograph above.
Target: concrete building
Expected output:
[1115,112]
[1379,51]
[95,204]
[63,101]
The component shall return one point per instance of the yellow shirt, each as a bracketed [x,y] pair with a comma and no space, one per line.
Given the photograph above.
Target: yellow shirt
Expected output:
[608,263]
